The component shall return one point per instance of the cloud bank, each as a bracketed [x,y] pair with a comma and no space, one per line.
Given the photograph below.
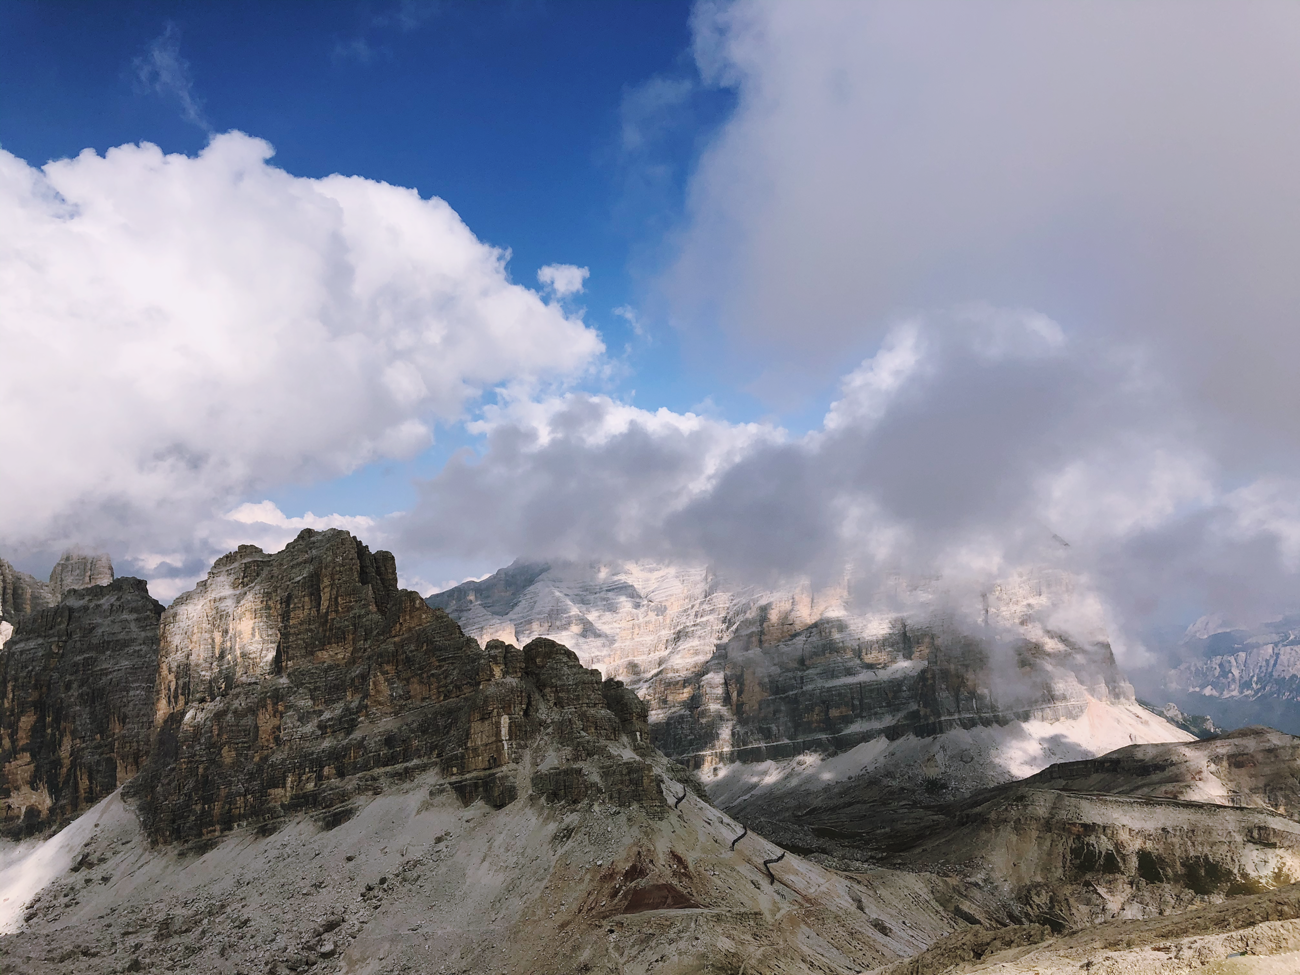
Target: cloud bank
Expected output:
[1057,239]
[180,333]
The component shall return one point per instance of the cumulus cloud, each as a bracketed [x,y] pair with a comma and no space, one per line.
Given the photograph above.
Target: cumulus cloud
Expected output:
[573,476]
[563,279]
[962,432]
[971,445]
[180,333]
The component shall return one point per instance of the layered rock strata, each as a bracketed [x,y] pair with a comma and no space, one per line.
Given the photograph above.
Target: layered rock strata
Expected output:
[282,678]
[76,702]
[1143,830]
[735,674]
[21,593]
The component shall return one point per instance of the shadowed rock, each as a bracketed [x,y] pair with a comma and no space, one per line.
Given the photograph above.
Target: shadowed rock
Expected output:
[76,702]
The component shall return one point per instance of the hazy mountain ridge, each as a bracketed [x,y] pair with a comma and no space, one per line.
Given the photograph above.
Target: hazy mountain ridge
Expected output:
[333,776]
[1241,675]
[743,675]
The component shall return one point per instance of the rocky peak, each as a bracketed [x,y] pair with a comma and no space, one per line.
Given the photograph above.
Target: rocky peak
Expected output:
[286,680]
[21,593]
[77,570]
[76,702]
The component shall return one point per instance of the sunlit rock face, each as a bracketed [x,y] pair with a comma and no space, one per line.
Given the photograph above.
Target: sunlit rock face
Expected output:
[734,674]
[76,702]
[285,679]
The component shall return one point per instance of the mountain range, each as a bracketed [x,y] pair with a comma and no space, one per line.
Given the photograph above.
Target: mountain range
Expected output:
[299,766]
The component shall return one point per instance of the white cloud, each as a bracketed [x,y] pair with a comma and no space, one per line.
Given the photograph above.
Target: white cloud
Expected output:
[563,279]
[180,332]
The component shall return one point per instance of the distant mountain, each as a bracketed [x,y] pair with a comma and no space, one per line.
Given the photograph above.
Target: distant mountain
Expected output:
[1240,676]
[767,689]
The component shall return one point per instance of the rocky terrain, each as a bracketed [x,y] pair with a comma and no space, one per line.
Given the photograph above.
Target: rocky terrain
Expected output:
[337,778]
[760,689]
[1144,831]
[298,766]
[76,703]
[21,593]
[1241,676]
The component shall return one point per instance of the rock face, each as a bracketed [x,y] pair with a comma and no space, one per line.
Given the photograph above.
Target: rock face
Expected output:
[76,702]
[77,570]
[1143,830]
[1241,676]
[21,593]
[282,678]
[735,675]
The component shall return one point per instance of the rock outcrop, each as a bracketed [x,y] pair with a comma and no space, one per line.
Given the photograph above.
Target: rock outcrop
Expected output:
[1143,830]
[283,678]
[76,702]
[21,593]
[79,570]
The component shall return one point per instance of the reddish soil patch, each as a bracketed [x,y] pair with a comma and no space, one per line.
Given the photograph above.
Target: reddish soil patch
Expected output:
[658,897]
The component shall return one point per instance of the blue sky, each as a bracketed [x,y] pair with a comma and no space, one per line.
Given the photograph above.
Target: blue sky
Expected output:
[918,288]
[511,112]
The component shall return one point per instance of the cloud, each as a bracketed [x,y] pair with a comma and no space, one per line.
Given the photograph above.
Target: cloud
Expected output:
[972,444]
[180,333]
[571,476]
[563,279]
[1124,169]
[959,434]
[162,70]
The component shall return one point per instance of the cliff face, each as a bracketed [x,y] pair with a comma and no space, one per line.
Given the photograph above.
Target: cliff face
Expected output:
[743,675]
[21,593]
[283,678]
[1241,676]
[76,702]
[1141,830]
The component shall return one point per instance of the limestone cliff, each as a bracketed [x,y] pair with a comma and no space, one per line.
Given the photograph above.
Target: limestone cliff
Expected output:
[738,674]
[76,702]
[283,678]
[21,593]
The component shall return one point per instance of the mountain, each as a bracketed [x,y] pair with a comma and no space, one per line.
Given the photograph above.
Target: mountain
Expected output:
[1240,676]
[337,778]
[21,593]
[789,690]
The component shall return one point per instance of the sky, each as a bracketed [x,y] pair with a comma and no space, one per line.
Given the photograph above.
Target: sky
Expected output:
[926,288]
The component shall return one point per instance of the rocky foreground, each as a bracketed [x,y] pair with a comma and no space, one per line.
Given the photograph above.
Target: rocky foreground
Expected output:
[298,766]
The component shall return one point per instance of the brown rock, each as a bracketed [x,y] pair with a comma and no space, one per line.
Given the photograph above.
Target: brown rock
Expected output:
[282,679]
[76,702]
